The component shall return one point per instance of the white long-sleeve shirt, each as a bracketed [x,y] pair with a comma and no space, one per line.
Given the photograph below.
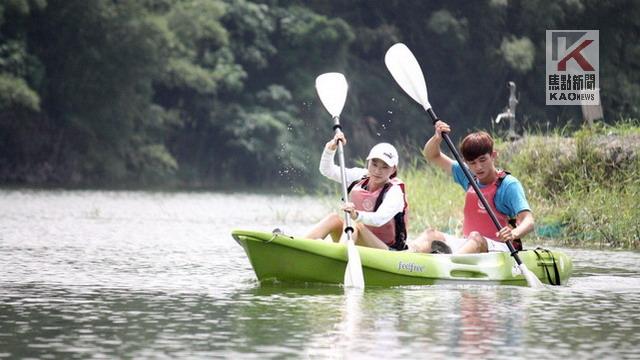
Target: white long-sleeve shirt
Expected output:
[392,203]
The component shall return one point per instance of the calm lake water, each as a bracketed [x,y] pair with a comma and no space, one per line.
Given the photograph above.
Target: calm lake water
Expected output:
[87,274]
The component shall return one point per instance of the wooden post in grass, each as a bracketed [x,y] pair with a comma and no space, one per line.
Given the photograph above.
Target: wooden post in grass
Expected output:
[592,112]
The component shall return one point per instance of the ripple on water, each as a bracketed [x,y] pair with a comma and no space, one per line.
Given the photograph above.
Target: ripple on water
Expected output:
[134,274]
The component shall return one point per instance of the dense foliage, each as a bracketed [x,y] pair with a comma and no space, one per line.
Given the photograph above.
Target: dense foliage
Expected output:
[220,93]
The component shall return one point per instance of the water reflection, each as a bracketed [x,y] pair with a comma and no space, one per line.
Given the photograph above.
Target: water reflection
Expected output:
[129,275]
[342,336]
[38,320]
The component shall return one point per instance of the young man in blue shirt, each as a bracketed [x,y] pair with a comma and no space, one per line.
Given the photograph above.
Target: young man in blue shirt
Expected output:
[503,192]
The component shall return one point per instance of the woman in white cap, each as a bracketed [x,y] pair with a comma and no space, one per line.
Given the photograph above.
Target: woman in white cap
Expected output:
[377,203]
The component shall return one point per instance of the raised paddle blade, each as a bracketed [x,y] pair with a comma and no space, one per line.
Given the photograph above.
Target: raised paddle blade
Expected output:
[353,276]
[332,90]
[406,71]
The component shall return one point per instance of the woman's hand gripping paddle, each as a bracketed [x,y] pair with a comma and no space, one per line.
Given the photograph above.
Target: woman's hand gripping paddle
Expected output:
[332,90]
[405,69]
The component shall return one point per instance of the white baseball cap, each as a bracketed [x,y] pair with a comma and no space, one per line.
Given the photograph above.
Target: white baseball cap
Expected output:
[385,152]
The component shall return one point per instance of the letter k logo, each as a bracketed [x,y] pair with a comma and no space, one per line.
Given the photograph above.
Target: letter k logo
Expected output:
[563,41]
[575,54]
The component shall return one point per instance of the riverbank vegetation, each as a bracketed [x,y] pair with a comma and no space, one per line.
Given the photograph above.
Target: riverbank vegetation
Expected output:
[192,94]
[583,186]
[189,94]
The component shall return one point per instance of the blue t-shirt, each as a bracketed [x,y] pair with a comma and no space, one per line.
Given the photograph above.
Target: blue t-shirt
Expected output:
[510,199]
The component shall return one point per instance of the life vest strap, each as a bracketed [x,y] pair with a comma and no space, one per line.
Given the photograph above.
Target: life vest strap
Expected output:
[556,279]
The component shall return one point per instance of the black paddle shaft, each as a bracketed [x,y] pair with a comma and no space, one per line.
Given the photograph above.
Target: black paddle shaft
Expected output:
[456,155]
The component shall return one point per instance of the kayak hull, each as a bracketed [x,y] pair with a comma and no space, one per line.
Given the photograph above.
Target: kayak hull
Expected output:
[282,258]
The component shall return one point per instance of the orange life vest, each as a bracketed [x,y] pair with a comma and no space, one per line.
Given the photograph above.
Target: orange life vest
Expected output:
[476,217]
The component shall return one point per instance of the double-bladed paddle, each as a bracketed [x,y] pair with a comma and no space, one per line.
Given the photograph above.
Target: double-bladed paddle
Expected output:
[405,69]
[332,90]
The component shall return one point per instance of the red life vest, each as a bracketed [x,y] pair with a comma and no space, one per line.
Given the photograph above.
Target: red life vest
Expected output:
[476,217]
[394,232]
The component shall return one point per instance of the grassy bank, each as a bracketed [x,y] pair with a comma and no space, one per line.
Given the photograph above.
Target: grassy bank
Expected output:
[583,186]
[434,200]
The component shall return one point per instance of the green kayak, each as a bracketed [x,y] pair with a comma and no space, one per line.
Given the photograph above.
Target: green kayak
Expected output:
[279,257]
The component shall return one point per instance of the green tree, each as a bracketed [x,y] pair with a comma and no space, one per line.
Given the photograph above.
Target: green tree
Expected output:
[94,63]
[213,93]
[235,74]
[20,103]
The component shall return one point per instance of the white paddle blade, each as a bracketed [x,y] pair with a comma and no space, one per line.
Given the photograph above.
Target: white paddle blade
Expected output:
[353,276]
[332,90]
[406,71]
[532,279]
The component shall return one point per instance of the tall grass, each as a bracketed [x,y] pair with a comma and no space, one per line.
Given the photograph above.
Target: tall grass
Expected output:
[434,199]
[585,183]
